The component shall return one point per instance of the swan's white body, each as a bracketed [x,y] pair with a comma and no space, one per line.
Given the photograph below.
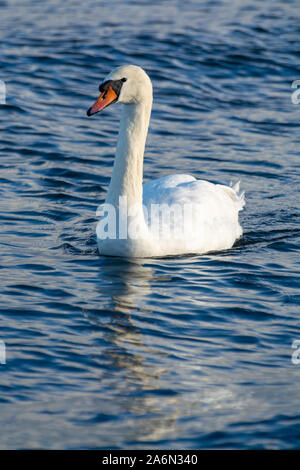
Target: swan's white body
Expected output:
[173,215]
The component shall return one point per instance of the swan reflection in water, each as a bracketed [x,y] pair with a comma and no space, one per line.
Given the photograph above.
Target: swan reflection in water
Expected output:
[127,286]
[127,283]
[139,358]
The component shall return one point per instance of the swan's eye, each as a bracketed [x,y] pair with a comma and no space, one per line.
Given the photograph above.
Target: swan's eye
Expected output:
[123,79]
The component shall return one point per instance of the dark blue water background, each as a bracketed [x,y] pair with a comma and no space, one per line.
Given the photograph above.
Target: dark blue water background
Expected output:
[190,352]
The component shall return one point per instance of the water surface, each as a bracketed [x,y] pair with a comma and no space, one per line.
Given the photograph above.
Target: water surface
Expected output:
[190,352]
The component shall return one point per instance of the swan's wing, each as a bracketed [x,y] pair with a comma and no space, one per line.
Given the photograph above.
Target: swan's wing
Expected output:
[180,189]
[205,215]
[154,192]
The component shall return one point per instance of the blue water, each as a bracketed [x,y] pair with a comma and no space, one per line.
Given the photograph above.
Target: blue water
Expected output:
[190,352]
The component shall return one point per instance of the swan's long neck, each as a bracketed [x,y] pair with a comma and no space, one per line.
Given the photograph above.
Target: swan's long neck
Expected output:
[127,177]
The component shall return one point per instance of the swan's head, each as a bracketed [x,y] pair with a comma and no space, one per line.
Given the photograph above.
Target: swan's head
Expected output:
[128,84]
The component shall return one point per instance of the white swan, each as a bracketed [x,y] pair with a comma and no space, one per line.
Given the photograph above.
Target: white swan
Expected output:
[173,215]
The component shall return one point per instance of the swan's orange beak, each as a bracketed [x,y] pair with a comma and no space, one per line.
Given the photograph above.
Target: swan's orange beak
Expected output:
[106,98]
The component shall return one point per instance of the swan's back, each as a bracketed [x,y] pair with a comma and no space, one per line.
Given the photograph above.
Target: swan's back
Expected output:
[186,215]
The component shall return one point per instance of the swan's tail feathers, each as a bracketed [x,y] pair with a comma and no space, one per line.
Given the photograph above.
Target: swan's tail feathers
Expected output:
[240,195]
